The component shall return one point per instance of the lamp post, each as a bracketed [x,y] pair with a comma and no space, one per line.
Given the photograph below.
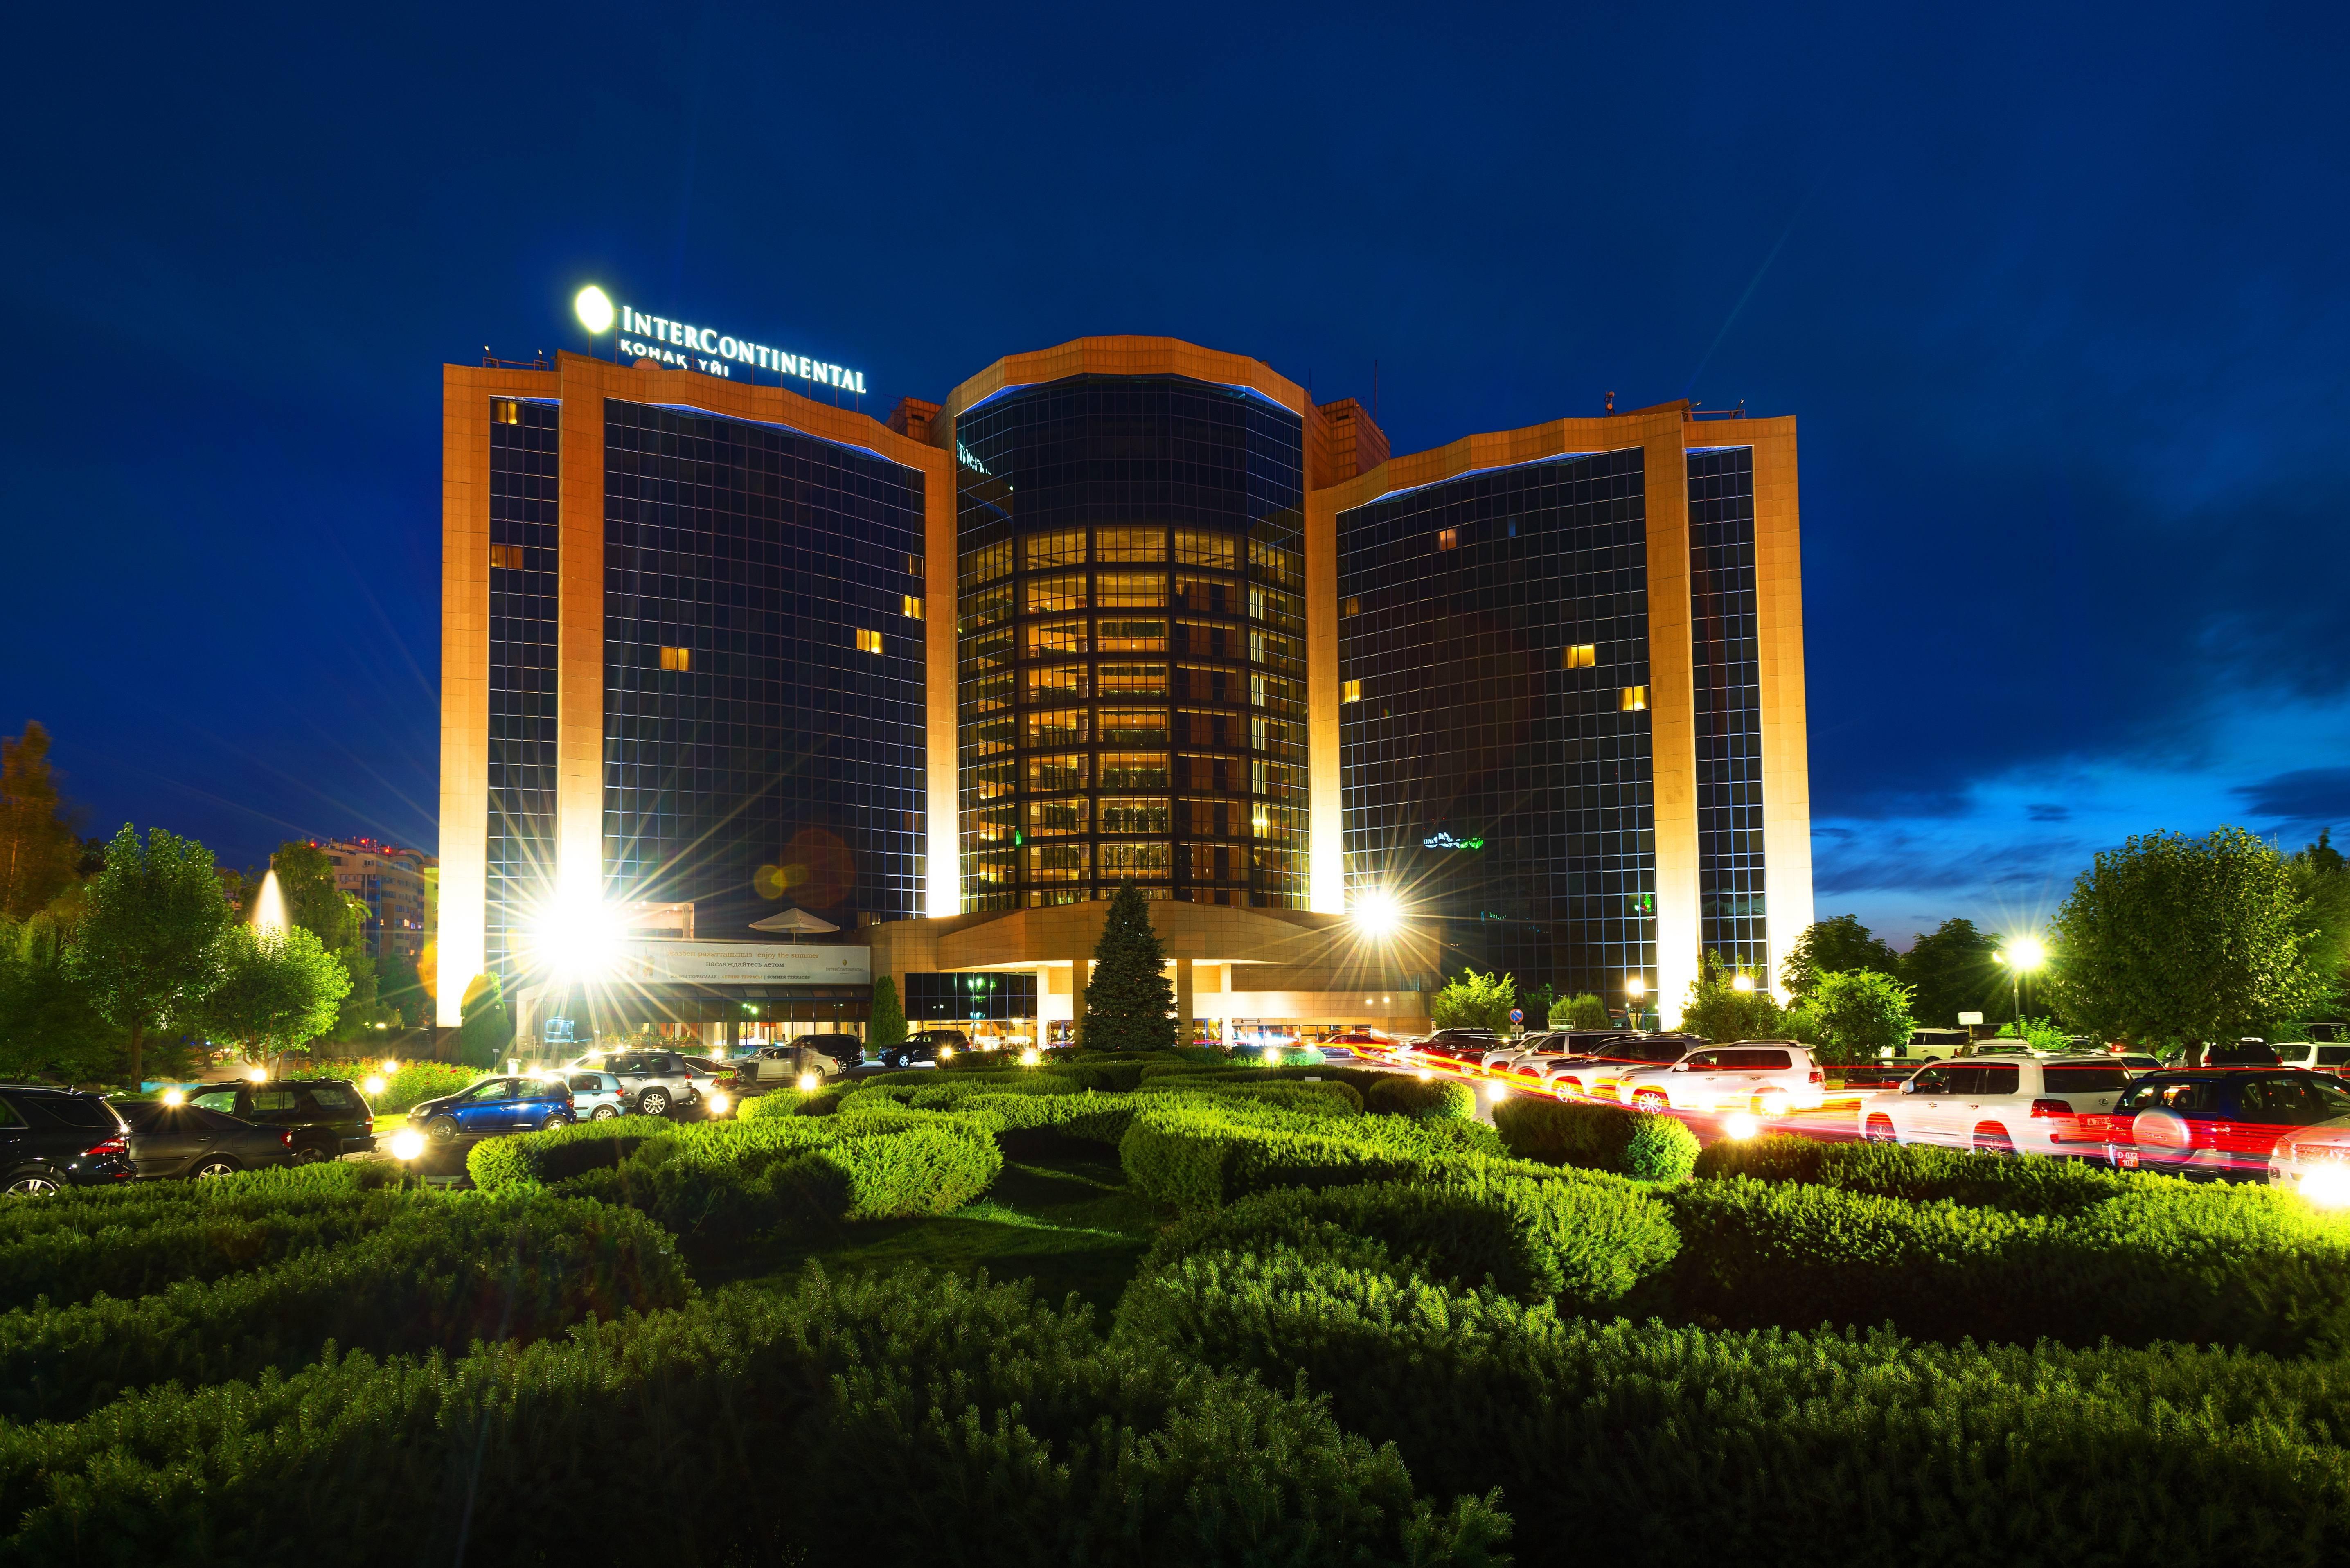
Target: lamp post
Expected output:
[2021,956]
[1634,988]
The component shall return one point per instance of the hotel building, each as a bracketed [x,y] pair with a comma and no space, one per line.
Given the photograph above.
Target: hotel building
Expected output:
[803,697]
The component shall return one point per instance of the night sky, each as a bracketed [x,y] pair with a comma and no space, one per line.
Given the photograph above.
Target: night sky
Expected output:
[2058,302]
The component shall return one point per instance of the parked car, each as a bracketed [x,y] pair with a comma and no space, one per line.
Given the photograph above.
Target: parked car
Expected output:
[2217,1120]
[846,1049]
[924,1045]
[2317,1056]
[54,1139]
[327,1116]
[596,1095]
[2227,1053]
[653,1080]
[781,1066]
[2001,1104]
[1766,1076]
[2314,1161]
[1600,1067]
[2137,1063]
[189,1140]
[494,1106]
[1454,1048]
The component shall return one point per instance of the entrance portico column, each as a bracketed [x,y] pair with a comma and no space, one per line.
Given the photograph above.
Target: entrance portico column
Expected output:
[1080,976]
[1184,1002]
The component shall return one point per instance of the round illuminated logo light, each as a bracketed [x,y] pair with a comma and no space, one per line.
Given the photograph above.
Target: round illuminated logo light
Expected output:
[594,308]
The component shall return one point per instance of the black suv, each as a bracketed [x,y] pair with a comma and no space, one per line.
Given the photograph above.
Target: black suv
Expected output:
[329,1117]
[924,1047]
[51,1138]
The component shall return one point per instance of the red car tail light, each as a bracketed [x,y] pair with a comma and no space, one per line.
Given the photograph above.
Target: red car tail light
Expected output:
[118,1144]
[2051,1108]
[1819,1076]
[287,1138]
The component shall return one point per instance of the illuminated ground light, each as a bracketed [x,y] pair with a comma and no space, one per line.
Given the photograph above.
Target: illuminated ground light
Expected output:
[2327,1188]
[407,1144]
[810,1082]
[1739,1125]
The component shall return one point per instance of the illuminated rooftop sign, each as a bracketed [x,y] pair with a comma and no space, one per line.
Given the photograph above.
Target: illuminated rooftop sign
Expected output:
[704,348]
[1446,841]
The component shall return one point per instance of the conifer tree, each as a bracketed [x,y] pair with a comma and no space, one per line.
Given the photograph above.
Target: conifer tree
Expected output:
[888,1026]
[1129,1004]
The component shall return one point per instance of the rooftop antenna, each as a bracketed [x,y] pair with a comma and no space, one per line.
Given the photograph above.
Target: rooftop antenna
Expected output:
[1611,402]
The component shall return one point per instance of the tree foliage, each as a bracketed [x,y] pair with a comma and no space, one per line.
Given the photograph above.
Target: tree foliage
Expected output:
[1831,946]
[1857,1013]
[306,880]
[277,989]
[2322,878]
[1584,1011]
[2195,940]
[49,1030]
[1474,1001]
[1129,1001]
[1952,970]
[147,950]
[888,1027]
[37,847]
[485,1029]
[1719,1011]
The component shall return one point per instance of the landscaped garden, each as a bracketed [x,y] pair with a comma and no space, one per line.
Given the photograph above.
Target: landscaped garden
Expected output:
[1227,1313]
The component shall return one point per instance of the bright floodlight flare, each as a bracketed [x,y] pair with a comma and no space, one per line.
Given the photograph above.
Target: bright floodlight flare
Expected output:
[1031,1056]
[258,1073]
[407,1144]
[2327,1187]
[946,1053]
[1741,982]
[718,1103]
[2027,952]
[173,1098]
[389,1066]
[374,1084]
[1378,914]
[1739,1125]
[577,939]
[810,1082]
[594,308]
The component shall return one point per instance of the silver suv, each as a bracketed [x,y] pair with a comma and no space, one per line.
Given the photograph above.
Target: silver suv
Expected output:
[650,1081]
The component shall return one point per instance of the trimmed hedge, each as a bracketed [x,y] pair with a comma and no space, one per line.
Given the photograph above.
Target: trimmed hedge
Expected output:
[1006,1429]
[1193,1150]
[1597,1137]
[1647,1443]
[1432,1099]
[2028,1185]
[792,1102]
[2163,1262]
[451,1270]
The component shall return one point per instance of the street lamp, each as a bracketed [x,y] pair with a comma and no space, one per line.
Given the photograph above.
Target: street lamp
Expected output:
[2021,956]
[1634,988]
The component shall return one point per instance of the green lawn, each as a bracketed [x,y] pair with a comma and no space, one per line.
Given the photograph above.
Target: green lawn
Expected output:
[1066,1221]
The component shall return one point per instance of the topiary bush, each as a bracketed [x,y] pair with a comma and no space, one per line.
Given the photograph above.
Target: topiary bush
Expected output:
[1431,1099]
[794,1102]
[1661,1149]
[1596,1137]
[2030,1184]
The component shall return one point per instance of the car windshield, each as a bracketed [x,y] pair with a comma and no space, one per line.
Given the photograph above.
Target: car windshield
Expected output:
[490,1089]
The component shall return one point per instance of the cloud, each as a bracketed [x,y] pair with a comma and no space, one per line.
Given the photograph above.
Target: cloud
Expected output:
[2304,794]
[2042,811]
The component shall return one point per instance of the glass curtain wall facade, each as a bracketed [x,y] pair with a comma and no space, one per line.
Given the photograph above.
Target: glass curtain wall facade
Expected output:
[764,737]
[1495,727]
[1131,644]
[1727,681]
[525,436]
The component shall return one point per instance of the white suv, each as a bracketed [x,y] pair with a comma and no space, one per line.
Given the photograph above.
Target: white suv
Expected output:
[2002,1104]
[2317,1056]
[1766,1076]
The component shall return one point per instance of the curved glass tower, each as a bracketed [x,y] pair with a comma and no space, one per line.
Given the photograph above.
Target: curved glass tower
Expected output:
[1131,644]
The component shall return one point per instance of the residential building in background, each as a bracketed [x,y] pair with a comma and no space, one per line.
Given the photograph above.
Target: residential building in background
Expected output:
[796,697]
[396,885]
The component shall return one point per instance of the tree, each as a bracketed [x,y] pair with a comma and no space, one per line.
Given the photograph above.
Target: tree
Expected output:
[47,1027]
[278,990]
[2038,1033]
[1475,1000]
[37,845]
[1857,1013]
[1952,972]
[888,1027]
[1720,1010]
[484,1029]
[1130,1002]
[149,947]
[306,880]
[1831,946]
[2192,939]
[2321,876]
[1584,1012]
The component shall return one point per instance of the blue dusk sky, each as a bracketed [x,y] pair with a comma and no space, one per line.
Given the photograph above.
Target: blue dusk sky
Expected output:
[2055,294]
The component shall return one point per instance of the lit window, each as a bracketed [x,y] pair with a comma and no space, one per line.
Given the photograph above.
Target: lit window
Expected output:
[677,658]
[505,410]
[1580,656]
[913,565]
[508,556]
[914,607]
[1351,606]
[1635,699]
[1447,538]
[869,641]
[1351,692]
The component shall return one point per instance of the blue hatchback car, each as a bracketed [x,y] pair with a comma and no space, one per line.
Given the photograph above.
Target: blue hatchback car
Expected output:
[495,1107]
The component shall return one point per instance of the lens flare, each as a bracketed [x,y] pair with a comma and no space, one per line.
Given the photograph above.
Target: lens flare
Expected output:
[1378,914]
[173,1098]
[718,1102]
[810,1082]
[1739,1125]
[1031,1056]
[257,1074]
[372,1083]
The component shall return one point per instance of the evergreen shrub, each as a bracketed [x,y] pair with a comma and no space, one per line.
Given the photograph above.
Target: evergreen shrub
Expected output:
[1596,1137]
[1433,1099]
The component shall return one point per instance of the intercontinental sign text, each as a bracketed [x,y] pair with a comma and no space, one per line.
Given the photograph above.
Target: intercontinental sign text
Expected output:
[705,349]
